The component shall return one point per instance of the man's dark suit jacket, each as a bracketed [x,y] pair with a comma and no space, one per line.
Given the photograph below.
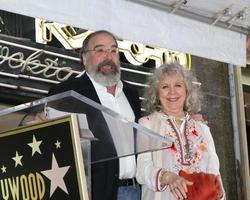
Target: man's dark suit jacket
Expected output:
[104,175]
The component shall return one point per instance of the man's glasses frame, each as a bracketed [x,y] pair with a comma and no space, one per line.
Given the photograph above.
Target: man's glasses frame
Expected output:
[101,50]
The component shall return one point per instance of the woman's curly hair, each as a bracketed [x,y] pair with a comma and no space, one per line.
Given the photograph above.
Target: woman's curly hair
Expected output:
[151,101]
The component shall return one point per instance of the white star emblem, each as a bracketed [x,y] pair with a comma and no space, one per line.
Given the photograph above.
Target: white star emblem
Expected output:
[58,144]
[3,168]
[17,159]
[35,145]
[56,174]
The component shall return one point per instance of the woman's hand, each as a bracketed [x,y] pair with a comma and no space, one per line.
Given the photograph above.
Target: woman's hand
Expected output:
[177,184]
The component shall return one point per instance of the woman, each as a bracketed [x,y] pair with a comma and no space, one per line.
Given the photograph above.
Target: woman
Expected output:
[172,95]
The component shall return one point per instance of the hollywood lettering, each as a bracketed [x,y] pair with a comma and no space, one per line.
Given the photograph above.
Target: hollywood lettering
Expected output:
[31,186]
[33,65]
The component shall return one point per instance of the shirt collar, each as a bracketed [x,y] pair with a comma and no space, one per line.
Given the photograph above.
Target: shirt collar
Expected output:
[165,116]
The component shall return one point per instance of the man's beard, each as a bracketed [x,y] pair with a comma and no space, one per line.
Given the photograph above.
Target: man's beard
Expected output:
[106,79]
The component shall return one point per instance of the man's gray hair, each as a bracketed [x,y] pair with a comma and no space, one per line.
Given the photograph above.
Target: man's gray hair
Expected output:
[85,44]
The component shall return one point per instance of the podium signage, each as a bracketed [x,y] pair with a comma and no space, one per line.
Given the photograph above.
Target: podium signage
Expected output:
[42,161]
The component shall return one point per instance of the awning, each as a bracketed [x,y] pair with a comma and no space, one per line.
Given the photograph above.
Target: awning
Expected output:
[140,23]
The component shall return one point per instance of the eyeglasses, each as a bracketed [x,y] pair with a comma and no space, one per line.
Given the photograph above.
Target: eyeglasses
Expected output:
[101,50]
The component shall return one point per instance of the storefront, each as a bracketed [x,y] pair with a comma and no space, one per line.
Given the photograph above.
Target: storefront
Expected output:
[41,56]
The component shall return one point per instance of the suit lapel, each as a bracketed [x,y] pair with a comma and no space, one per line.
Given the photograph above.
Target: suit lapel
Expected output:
[133,99]
[88,89]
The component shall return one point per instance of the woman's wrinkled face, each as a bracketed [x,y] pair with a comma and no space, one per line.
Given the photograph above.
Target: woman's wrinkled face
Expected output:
[172,93]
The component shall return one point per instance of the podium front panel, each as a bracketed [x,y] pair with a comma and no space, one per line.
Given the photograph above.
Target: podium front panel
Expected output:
[104,135]
[43,161]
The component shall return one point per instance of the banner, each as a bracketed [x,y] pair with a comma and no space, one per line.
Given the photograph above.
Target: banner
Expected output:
[131,21]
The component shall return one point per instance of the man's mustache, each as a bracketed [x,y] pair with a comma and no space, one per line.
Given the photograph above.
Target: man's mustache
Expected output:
[107,62]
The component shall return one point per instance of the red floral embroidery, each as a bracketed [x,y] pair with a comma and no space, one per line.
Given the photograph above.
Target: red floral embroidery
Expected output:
[194,132]
[203,147]
[169,134]
[196,154]
[163,144]
[173,148]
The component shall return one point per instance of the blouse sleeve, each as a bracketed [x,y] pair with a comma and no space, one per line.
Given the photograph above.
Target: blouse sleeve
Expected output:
[147,173]
[213,164]
[213,161]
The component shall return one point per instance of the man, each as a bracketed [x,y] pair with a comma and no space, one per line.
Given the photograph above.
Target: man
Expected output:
[102,84]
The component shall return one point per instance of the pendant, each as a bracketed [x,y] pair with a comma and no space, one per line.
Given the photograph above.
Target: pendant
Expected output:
[187,153]
[187,157]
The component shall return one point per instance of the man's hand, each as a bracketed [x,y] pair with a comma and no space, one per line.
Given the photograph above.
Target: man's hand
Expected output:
[198,117]
[41,116]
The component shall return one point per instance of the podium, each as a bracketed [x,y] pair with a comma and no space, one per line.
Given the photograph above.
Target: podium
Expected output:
[57,157]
